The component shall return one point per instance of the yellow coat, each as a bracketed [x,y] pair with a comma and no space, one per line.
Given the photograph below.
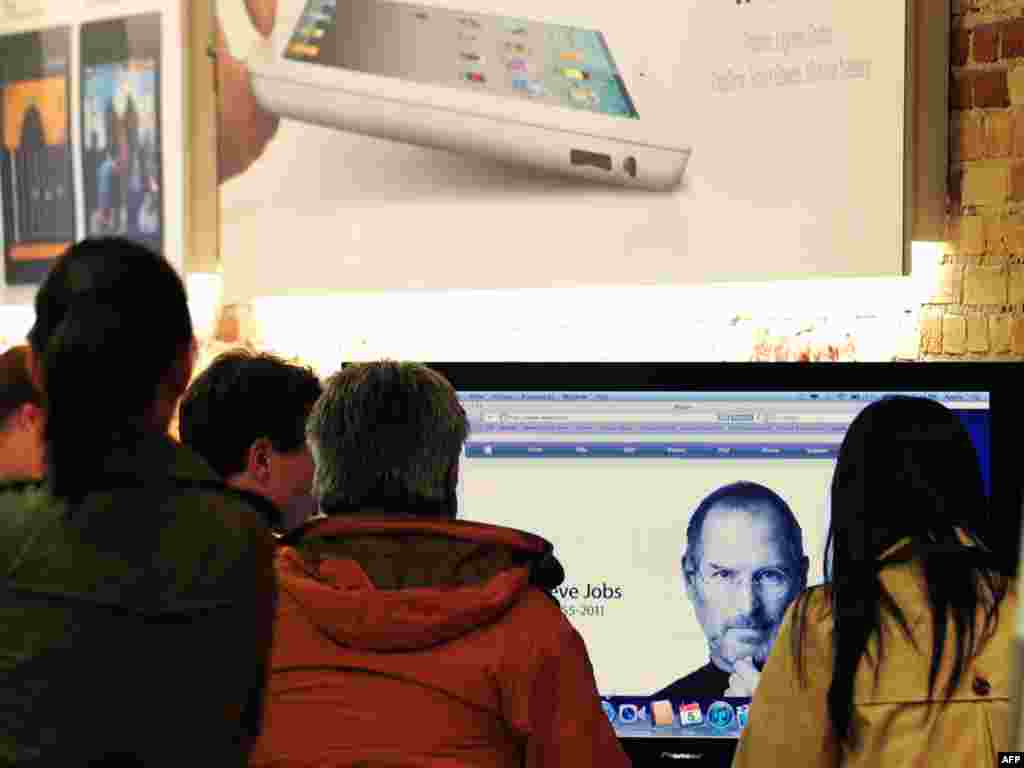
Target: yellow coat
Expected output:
[896,723]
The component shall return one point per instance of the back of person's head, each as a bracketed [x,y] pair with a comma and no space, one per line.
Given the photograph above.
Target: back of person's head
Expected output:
[21,417]
[907,470]
[113,349]
[243,396]
[246,411]
[387,436]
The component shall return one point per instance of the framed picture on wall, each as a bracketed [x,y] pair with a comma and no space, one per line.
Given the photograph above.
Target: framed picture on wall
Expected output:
[99,130]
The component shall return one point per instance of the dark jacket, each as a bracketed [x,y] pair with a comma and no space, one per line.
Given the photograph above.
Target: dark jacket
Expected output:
[404,642]
[135,627]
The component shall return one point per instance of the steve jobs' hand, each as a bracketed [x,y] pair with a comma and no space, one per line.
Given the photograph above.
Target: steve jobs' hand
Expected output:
[743,681]
[245,128]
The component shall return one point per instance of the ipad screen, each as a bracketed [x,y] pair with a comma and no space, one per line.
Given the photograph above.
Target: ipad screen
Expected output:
[557,65]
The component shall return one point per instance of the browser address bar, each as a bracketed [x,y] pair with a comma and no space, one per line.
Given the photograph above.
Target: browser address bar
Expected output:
[665,418]
[597,418]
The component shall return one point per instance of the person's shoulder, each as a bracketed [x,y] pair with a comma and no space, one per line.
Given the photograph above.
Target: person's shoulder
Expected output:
[20,498]
[222,516]
[538,613]
[812,607]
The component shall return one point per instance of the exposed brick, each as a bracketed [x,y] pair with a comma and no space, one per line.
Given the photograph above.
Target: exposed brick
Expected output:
[1013,234]
[988,185]
[968,139]
[961,91]
[1017,335]
[986,43]
[931,331]
[949,285]
[955,195]
[1013,39]
[1018,132]
[953,222]
[1015,83]
[999,333]
[991,89]
[954,335]
[999,134]
[977,333]
[972,235]
[961,47]
[985,285]
[1016,192]
[994,227]
[1015,289]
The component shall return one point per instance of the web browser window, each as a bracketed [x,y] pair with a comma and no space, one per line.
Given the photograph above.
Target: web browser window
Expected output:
[618,481]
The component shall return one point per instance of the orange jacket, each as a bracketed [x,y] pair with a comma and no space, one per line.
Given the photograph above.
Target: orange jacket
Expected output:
[411,642]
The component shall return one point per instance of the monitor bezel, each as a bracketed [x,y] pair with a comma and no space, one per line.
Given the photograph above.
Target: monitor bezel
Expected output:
[1003,381]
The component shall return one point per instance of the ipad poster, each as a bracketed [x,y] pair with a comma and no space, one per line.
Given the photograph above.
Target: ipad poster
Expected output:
[121,141]
[36,182]
[792,112]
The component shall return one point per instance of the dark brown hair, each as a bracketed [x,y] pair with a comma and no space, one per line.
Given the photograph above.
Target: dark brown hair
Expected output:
[16,386]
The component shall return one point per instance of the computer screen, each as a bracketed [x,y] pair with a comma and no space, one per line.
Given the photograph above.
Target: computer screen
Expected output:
[687,522]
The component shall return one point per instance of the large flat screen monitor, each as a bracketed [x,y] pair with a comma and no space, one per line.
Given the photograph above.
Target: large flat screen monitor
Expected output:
[631,471]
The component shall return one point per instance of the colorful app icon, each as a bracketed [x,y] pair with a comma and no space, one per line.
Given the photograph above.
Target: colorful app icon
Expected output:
[575,74]
[571,56]
[517,65]
[661,713]
[535,87]
[628,713]
[470,56]
[609,710]
[584,97]
[741,715]
[306,51]
[721,715]
[476,77]
[517,48]
[690,714]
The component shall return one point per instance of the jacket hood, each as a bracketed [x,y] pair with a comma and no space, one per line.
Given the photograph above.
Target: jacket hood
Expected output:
[402,584]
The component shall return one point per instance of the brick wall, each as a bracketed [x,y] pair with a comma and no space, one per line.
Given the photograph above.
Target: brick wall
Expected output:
[978,309]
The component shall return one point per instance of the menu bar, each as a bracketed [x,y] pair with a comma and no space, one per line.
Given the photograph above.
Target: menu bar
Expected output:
[575,428]
[645,450]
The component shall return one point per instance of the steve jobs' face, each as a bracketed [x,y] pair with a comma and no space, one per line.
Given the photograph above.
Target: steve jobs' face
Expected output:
[743,581]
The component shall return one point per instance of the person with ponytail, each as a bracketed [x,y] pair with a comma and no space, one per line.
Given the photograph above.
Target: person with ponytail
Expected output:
[138,592]
[902,656]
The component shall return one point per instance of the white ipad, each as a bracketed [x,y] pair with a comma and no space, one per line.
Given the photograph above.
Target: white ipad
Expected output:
[549,95]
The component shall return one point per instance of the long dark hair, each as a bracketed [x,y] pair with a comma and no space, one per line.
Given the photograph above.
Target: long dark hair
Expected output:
[111,320]
[906,470]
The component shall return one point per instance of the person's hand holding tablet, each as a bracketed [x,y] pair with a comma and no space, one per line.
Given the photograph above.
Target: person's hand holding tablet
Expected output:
[245,128]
